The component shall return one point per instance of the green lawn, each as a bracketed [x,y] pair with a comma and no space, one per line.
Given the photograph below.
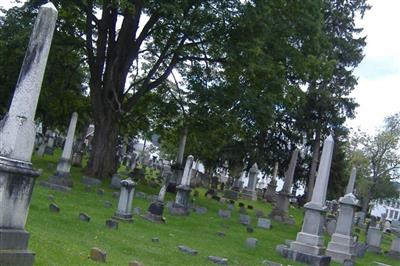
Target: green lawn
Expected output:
[62,239]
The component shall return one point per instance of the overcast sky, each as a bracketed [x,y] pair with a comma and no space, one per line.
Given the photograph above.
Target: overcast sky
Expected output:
[378,92]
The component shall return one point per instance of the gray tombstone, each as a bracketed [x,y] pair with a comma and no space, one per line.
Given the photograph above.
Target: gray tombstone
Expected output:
[264,223]
[395,249]
[251,242]
[250,192]
[180,207]
[244,219]
[224,214]
[124,211]
[374,239]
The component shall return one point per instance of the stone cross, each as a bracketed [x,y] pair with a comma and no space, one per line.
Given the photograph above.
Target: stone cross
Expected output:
[342,247]
[124,211]
[310,241]
[17,137]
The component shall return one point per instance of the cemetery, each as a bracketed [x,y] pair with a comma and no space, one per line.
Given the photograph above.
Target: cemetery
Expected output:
[195,182]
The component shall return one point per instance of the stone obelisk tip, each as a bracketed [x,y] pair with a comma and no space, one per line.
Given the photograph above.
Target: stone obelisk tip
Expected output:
[49,5]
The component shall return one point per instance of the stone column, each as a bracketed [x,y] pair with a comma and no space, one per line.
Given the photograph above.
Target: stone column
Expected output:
[17,137]
[309,244]
[62,175]
[180,207]
[124,211]
[270,194]
[342,247]
[250,192]
[280,212]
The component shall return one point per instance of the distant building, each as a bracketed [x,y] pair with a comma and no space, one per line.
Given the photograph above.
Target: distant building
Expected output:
[389,207]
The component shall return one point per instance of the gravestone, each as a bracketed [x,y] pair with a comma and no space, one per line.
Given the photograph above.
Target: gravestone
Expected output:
[54,208]
[124,209]
[221,234]
[342,246]
[263,223]
[280,212]
[309,244]
[201,210]
[251,242]
[91,181]
[137,210]
[242,210]
[115,182]
[112,224]
[140,195]
[259,214]
[224,214]
[107,204]
[230,207]
[374,239]
[187,250]
[331,227]
[395,249]
[17,138]
[244,219]
[84,217]
[218,260]
[98,255]
[270,194]
[250,192]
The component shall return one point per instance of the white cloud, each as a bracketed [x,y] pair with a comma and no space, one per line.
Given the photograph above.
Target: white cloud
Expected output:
[379,74]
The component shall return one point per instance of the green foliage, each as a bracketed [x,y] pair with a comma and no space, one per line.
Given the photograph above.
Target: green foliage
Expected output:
[63,90]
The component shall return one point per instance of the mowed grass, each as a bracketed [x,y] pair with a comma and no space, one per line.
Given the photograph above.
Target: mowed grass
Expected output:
[62,239]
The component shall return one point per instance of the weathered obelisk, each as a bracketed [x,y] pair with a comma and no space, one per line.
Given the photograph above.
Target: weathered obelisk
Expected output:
[17,137]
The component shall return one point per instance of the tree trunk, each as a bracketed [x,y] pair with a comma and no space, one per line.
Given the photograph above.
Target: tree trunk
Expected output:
[102,162]
[365,202]
[314,164]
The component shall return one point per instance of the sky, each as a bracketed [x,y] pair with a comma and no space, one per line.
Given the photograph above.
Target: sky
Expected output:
[378,91]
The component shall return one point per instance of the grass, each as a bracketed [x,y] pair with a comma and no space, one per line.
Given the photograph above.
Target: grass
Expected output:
[62,239]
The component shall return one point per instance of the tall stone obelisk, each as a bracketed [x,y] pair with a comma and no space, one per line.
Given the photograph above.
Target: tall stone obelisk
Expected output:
[62,175]
[309,245]
[17,137]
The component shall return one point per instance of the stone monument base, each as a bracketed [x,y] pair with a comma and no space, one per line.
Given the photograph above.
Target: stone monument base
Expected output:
[123,217]
[13,248]
[394,254]
[249,194]
[178,209]
[341,248]
[59,181]
[309,259]
[374,249]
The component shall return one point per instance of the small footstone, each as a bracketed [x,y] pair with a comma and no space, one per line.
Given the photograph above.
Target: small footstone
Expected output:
[112,224]
[221,234]
[271,263]
[201,210]
[218,260]
[137,210]
[242,210]
[100,192]
[264,223]
[224,214]
[348,263]
[107,204]
[135,263]
[50,197]
[84,217]
[230,207]
[115,194]
[54,208]
[187,250]
[259,214]
[98,255]
[251,242]
[155,240]
[249,229]
[244,219]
